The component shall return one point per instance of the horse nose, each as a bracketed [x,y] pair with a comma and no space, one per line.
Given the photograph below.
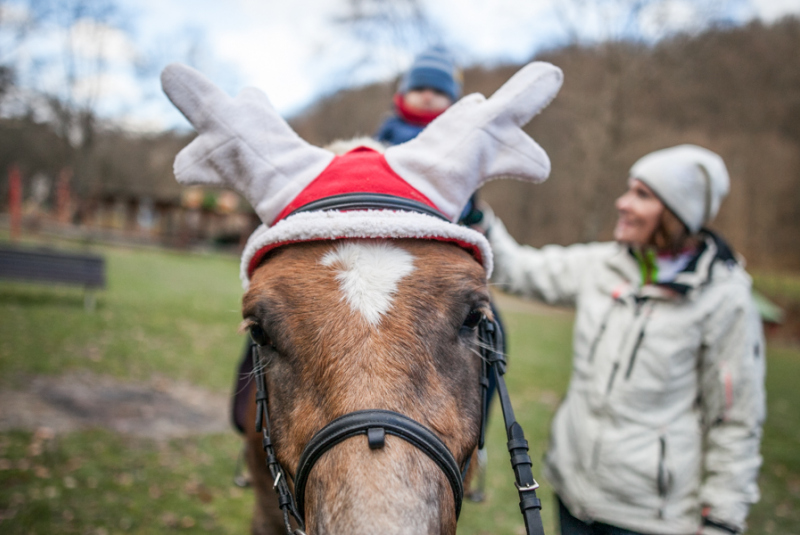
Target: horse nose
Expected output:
[351,482]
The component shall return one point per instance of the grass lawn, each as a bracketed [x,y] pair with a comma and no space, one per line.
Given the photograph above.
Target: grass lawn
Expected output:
[175,315]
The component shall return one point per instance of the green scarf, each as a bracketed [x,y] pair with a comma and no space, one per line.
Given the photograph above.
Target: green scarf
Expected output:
[648,265]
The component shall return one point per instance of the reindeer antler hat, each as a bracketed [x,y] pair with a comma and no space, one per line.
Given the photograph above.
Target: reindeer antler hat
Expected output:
[414,190]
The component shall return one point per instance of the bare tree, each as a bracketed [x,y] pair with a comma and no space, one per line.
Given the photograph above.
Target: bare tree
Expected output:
[616,28]
[385,33]
[15,25]
[62,84]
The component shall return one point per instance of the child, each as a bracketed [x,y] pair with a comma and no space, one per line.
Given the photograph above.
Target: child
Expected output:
[431,85]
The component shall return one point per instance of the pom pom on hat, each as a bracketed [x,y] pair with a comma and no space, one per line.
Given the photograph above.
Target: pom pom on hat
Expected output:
[434,68]
[690,180]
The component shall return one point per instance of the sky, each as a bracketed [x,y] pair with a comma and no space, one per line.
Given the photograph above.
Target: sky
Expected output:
[295,51]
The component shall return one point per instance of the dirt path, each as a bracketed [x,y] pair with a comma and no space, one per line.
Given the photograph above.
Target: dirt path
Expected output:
[160,409]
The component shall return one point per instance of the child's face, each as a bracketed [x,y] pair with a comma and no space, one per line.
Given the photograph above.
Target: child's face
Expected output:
[426,99]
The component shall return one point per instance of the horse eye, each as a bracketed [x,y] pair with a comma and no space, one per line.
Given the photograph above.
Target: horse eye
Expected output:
[473,318]
[259,336]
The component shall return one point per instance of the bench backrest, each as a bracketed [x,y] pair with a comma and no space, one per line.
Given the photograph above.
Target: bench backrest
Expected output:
[48,265]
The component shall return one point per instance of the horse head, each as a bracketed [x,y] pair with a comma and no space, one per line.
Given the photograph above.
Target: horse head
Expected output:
[364,299]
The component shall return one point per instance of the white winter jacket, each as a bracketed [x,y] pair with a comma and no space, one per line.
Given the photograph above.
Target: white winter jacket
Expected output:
[664,409]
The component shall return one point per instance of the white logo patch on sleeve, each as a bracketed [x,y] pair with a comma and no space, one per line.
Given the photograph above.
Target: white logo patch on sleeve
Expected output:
[368,274]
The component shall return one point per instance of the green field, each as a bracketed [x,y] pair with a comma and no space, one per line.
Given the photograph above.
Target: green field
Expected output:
[175,315]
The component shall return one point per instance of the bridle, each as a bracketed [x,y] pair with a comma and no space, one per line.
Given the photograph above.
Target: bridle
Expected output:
[376,424]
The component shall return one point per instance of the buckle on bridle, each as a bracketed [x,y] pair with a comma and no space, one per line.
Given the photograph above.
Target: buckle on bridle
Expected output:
[532,486]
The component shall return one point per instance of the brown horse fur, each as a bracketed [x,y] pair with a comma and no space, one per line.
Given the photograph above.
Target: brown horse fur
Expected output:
[327,360]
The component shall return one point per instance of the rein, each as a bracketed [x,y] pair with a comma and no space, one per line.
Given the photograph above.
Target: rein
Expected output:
[375,424]
[494,361]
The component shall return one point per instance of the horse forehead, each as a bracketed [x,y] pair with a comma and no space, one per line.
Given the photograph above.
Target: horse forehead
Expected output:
[368,274]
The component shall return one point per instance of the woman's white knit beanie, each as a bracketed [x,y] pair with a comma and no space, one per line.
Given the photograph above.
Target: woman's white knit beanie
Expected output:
[690,180]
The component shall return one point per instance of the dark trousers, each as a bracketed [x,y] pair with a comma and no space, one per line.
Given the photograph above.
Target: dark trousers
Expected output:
[572,526]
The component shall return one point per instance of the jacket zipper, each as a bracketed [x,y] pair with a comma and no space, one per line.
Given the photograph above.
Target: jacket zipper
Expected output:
[662,479]
[633,354]
[638,307]
[632,359]
[600,332]
[611,378]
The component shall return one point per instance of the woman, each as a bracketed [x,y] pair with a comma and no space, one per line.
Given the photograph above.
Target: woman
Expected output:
[660,428]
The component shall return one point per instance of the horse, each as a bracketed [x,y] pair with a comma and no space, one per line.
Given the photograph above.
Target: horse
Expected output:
[358,325]
[368,307]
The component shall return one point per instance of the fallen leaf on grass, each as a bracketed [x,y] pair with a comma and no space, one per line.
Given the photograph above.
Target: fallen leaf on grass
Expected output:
[205,495]
[154,492]
[169,519]
[42,472]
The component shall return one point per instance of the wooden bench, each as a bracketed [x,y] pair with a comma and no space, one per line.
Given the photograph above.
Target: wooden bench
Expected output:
[54,266]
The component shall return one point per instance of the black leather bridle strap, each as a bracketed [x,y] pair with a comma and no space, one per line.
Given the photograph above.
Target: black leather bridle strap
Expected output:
[530,506]
[369,201]
[374,424]
[280,485]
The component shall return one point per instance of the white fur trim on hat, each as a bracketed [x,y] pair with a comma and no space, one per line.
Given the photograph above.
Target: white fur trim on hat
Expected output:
[690,180]
[331,225]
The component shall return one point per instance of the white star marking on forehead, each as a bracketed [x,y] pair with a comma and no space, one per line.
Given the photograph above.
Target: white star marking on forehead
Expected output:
[368,274]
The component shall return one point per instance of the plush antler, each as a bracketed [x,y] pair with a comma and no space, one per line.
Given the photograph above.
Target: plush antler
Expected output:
[478,140]
[243,143]
[246,145]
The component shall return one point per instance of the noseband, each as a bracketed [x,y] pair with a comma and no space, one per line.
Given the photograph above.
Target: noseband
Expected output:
[376,424]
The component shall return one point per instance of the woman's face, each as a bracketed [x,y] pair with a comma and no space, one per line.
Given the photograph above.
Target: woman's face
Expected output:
[639,211]
[426,99]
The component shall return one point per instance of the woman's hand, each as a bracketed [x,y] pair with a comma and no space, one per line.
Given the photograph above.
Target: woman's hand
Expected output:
[481,217]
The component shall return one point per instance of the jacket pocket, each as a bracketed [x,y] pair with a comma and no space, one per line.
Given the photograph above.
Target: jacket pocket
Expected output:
[634,352]
[600,332]
[663,476]
[628,464]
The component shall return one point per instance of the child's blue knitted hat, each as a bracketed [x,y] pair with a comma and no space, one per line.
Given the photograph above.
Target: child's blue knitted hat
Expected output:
[434,68]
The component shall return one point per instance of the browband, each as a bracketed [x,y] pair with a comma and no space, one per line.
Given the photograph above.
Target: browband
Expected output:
[369,201]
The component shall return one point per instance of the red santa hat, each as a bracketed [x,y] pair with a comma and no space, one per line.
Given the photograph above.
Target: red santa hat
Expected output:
[414,190]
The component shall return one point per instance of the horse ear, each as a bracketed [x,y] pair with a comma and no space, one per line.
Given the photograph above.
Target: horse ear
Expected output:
[477,140]
[243,143]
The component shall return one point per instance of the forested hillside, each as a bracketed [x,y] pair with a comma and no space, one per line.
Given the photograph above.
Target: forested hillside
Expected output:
[735,91]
